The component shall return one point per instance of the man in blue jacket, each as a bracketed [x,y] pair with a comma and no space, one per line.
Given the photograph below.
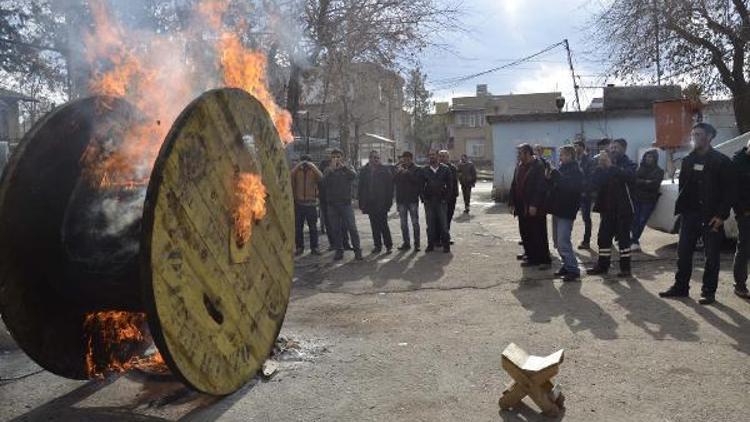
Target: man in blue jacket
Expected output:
[613,180]
[707,193]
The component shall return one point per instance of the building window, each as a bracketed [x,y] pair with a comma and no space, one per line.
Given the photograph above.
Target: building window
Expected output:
[475,148]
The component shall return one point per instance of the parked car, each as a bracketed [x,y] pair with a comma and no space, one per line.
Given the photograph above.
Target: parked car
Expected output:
[663,218]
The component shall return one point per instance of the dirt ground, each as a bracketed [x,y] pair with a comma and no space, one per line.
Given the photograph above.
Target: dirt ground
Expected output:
[418,337]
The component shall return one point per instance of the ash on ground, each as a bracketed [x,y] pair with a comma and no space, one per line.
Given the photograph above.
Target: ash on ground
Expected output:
[289,349]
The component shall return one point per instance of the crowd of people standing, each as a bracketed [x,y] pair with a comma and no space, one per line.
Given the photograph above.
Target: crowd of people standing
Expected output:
[328,187]
[624,195]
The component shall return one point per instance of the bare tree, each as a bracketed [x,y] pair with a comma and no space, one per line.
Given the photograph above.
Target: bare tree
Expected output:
[340,34]
[699,41]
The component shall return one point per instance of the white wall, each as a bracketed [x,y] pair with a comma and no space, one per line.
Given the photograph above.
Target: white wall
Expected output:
[639,131]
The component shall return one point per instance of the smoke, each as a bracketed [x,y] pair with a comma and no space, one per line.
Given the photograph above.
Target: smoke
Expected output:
[159,58]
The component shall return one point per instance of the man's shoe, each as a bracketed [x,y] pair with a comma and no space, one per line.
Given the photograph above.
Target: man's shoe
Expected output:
[377,251]
[544,266]
[560,273]
[635,247]
[451,242]
[567,278]
[338,256]
[521,257]
[673,292]
[584,247]
[430,248]
[388,251]
[742,292]
[624,274]
[348,248]
[358,254]
[707,300]
[466,211]
[438,244]
[446,249]
[299,251]
[404,247]
[527,264]
[597,270]
[314,251]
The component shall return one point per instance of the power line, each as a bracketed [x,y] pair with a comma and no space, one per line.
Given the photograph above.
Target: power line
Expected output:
[452,82]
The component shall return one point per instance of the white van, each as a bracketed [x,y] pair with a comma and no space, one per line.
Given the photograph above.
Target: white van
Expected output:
[663,218]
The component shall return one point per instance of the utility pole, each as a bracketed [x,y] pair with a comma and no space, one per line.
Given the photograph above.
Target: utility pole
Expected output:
[658,42]
[575,82]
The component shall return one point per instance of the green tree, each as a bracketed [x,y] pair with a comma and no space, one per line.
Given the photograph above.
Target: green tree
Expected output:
[418,103]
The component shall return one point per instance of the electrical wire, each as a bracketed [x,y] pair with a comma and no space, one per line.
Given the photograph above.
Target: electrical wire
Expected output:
[452,82]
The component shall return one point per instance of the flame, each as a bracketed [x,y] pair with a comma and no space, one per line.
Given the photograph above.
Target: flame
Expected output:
[250,205]
[114,340]
[150,72]
[244,68]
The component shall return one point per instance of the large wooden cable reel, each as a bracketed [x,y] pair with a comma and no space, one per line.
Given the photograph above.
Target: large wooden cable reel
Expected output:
[214,304]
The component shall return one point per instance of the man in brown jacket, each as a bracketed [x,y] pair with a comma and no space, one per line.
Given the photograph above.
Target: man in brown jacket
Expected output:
[305,179]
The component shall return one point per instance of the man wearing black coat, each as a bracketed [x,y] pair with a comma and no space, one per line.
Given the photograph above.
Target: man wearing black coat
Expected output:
[613,180]
[707,192]
[445,159]
[467,176]
[409,183]
[528,192]
[564,201]
[337,179]
[376,199]
[436,193]
[741,162]
[648,180]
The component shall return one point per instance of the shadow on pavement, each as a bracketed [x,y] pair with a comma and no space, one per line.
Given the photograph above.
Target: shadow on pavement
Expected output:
[645,310]
[167,394]
[525,413]
[739,331]
[579,312]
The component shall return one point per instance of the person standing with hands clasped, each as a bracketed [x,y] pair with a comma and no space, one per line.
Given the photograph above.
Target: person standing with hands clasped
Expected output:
[338,178]
[528,192]
[409,183]
[565,200]
[376,199]
[707,193]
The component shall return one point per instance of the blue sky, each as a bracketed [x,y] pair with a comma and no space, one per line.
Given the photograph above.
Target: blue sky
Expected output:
[503,30]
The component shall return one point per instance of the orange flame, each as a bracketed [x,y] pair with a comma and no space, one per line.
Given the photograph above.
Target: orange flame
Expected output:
[136,72]
[244,68]
[250,205]
[114,340]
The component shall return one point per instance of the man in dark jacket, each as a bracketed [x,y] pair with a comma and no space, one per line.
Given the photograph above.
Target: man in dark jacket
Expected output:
[436,193]
[527,195]
[445,159]
[376,199]
[567,183]
[337,179]
[409,183]
[586,164]
[648,180]
[613,180]
[707,192]
[741,163]
[467,177]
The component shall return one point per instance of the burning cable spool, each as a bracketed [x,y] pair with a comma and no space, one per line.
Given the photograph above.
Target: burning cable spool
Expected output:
[201,253]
